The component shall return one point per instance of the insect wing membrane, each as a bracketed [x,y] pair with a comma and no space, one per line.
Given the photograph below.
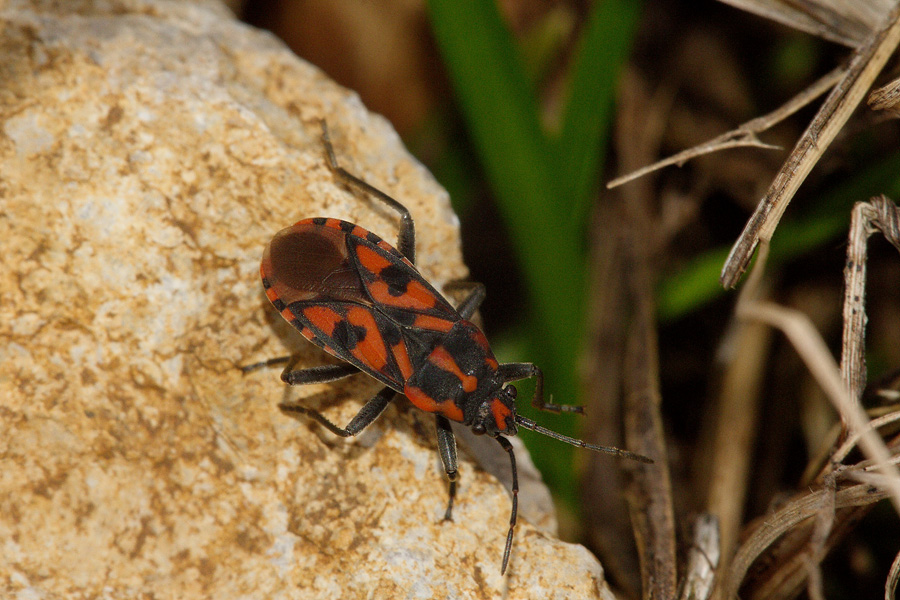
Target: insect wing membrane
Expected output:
[307,262]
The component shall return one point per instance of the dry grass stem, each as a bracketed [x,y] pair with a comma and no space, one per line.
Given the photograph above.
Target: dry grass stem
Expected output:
[865,65]
[735,424]
[650,489]
[625,362]
[745,135]
[846,22]
[812,349]
[850,443]
[766,531]
[702,559]
[879,214]
[890,589]
[822,527]
[887,97]
[798,560]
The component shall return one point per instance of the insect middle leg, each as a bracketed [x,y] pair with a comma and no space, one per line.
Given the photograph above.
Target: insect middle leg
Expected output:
[516,371]
[406,240]
[325,374]
[365,417]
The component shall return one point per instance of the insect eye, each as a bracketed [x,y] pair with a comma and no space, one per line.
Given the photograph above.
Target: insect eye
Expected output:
[478,429]
[511,391]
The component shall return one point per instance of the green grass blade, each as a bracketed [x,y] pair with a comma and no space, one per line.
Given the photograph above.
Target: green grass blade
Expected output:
[502,115]
[602,50]
[698,283]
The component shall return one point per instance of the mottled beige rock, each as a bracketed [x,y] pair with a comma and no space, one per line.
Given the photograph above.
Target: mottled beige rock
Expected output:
[149,150]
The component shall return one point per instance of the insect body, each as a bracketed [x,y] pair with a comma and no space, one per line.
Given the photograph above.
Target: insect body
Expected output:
[362,300]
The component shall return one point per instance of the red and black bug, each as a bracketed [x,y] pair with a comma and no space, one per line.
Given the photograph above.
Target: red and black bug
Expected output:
[362,300]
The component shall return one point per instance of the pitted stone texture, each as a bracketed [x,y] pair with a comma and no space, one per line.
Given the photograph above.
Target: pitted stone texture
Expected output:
[149,150]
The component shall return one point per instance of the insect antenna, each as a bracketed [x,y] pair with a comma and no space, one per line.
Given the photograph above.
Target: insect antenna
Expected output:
[529,424]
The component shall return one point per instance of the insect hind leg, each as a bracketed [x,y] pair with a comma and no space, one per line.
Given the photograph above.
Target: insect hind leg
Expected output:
[406,240]
[265,363]
[370,411]
[516,371]
[320,374]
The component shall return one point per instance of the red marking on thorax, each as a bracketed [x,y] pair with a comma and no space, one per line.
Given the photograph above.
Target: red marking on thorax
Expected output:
[482,341]
[445,361]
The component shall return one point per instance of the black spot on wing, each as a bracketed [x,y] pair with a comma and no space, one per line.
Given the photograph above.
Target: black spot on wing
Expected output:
[397,279]
[390,333]
[347,335]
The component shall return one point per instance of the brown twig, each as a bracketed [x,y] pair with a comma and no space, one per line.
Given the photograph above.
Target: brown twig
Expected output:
[730,451]
[649,487]
[630,368]
[865,65]
[702,559]
[742,137]
[886,97]
[651,490]
[846,22]
[890,588]
[767,531]
[812,349]
[879,214]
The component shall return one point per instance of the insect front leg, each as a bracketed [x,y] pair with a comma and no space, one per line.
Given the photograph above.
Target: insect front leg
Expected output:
[406,240]
[516,371]
[447,450]
[365,417]
[504,443]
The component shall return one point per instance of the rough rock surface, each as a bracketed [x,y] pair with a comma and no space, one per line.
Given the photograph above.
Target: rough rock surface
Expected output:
[149,150]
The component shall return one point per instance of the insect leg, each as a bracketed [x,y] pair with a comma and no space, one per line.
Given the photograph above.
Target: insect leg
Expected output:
[406,241]
[369,412]
[515,500]
[447,450]
[516,371]
[470,303]
[320,374]
[266,363]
